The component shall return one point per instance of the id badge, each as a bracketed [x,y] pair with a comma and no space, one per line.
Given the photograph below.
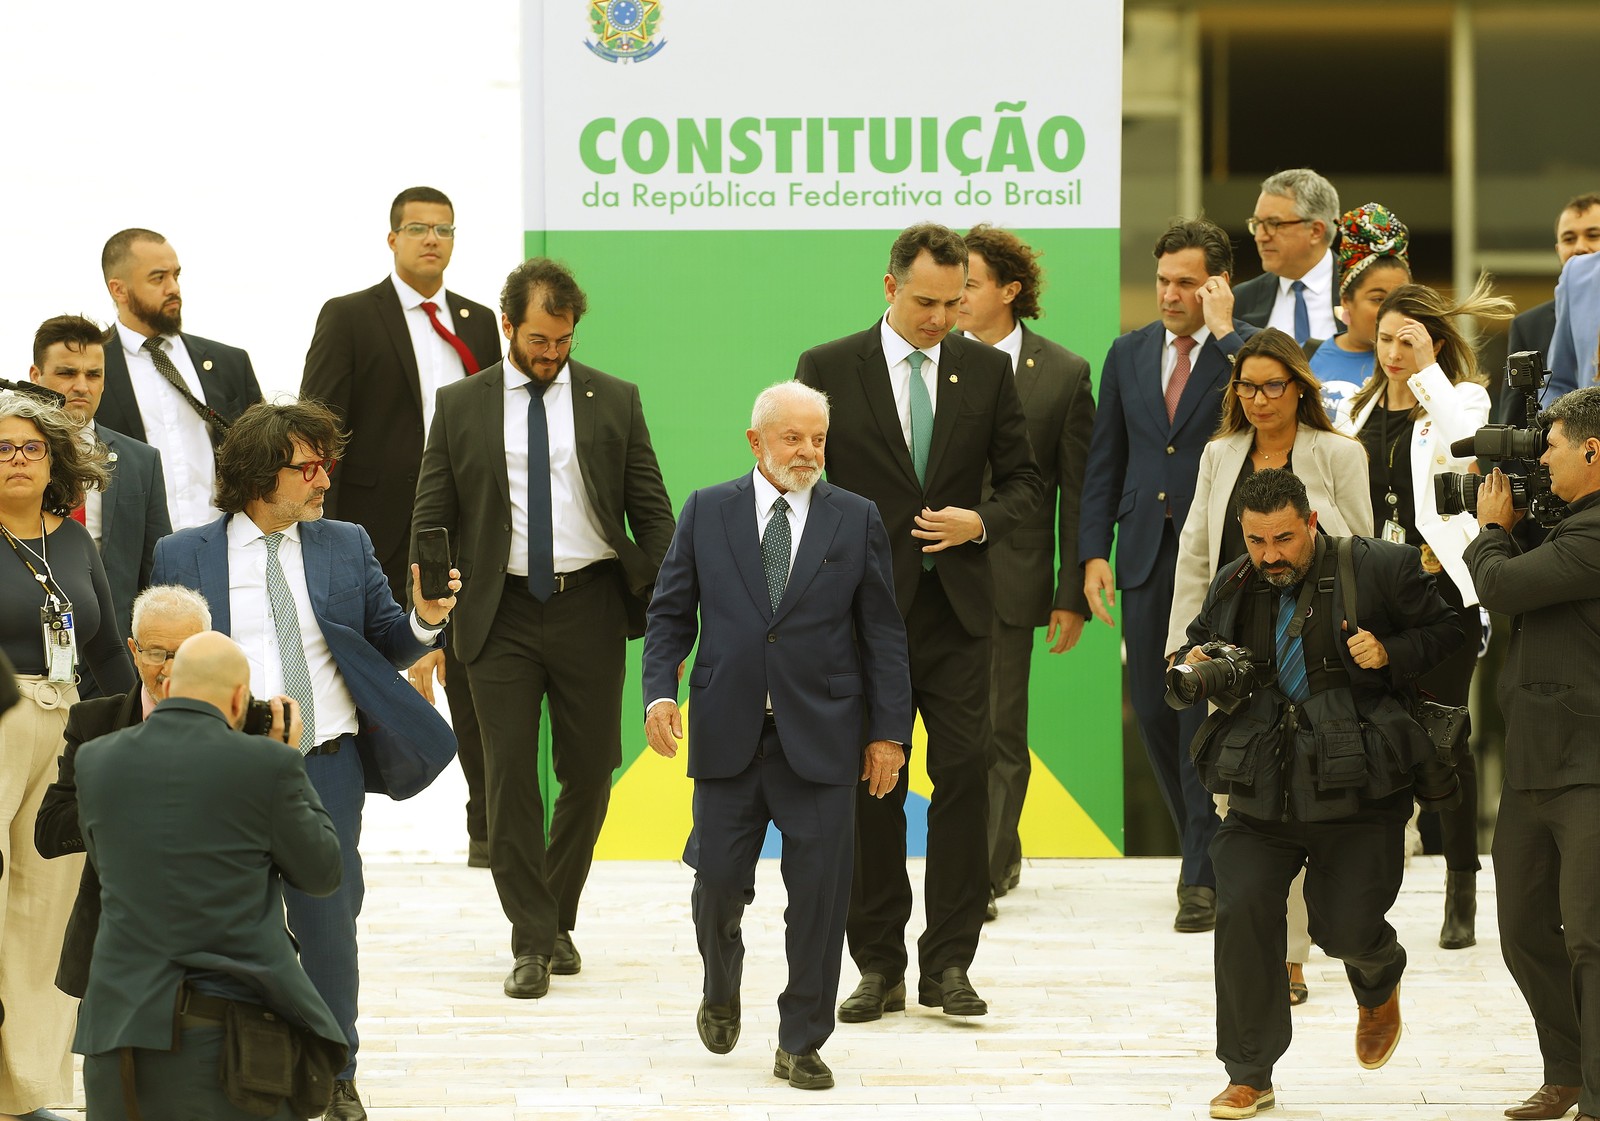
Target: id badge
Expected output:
[60,642]
[1394,531]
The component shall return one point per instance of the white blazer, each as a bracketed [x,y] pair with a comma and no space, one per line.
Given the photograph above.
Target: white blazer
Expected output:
[1449,413]
[1332,466]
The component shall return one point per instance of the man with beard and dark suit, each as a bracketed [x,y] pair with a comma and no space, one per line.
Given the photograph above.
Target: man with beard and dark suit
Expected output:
[377,358]
[800,691]
[1160,397]
[921,419]
[539,468]
[306,599]
[130,516]
[175,391]
[1003,283]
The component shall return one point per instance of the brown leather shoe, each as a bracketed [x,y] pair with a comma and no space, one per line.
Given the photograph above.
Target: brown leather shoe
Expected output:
[1378,1031]
[1241,1101]
[1547,1103]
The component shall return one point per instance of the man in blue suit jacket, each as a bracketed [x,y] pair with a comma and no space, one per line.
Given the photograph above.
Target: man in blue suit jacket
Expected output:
[1160,399]
[801,689]
[309,603]
[129,518]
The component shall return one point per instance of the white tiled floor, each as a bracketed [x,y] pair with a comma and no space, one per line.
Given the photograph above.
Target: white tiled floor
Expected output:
[1097,1010]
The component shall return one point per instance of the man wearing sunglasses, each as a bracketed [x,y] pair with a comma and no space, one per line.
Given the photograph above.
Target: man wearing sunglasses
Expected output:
[377,358]
[308,603]
[1294,226]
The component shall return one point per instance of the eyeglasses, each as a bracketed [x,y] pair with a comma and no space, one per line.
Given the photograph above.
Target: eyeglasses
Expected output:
[154,656]
[32,449]
[541,345]
[446,230]
[1271,225]
[1248,389]
[308,470]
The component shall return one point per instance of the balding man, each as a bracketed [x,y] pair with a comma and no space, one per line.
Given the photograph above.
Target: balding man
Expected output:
[195,827]
[1294,225]
[175,391]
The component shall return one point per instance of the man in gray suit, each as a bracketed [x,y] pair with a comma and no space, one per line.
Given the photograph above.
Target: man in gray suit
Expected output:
[128,519]
[1003,283]
[1547,839]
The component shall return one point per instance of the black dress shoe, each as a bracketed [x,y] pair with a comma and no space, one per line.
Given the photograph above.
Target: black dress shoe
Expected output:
[1197,909]
[718,1025]
[477,854]
[346,1103]
[804,1072]
[991,910]
[952,992]
[1013,877]
[565,960]
[873,997]
[1547,1103]
[529,978]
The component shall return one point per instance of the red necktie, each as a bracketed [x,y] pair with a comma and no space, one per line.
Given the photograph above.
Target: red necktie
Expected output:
[80,515]
[1183,344]
[469,363]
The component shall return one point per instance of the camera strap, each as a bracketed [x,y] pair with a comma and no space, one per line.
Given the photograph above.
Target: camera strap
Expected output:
[1324,668]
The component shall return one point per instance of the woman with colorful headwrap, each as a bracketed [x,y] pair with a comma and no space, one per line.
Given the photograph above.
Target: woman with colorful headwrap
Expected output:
[1373,261]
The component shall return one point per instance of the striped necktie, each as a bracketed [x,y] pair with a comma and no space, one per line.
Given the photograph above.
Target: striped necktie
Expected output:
[1291,653]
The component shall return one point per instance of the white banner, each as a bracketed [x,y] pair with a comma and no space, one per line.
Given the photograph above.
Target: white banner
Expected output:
[835,114]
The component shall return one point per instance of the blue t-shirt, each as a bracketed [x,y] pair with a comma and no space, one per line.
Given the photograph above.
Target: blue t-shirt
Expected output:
[1340,372]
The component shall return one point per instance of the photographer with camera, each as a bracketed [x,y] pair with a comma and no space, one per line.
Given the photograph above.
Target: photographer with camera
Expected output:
[1314,746]
[1547,838]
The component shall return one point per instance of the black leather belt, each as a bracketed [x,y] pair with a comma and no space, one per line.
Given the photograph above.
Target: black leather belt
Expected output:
[197,1010]
[568,581]
[327,747]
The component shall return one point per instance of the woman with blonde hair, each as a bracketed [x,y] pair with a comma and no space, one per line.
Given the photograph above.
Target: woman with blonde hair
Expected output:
[1426,393]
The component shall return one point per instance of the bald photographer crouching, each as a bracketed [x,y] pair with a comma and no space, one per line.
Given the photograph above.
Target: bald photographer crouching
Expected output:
[1308,648]
[197,1005]
[1547,836]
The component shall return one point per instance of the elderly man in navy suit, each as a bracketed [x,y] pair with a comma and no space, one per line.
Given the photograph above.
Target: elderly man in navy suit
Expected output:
[1160,397]
[309,604]
[801,690]
[126,521]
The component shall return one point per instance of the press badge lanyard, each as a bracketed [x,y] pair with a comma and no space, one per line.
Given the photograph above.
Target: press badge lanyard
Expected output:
[55,617]
[1392,529]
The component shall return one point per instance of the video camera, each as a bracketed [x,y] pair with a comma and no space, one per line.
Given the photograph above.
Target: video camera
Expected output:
[1455,492]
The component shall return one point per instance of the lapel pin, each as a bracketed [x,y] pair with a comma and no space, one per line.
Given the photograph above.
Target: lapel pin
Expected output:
[953,379]
[111,457]
[465,312]
[589,393]
[206,365]
[1030,363]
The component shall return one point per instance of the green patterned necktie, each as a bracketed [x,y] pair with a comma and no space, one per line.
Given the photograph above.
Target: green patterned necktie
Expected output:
[291,645]
[921,417]
[775,548]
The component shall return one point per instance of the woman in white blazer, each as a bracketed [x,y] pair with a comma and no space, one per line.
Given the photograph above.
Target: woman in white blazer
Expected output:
[1425,394]
[1272,416]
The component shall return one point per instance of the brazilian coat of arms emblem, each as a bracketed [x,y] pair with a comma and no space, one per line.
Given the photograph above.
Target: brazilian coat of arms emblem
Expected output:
[625,30]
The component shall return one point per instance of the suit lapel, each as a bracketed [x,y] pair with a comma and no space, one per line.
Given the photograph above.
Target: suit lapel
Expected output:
[948,391]
[583,417]
[114,495]
[212,391]
[1147,375]
[1028,375]
[490,388]
[822,522]
[318,561]
[393,318]
[1229,464]
[739,523]
[879,392]
[213,565]
[1210,369]
[119,390]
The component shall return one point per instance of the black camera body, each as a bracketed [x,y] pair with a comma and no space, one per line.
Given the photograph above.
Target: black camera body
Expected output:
[258,716]
[1226,679]
[1457,492]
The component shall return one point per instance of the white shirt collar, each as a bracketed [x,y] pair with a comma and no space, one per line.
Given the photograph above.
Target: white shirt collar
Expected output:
[132,341]
[1319,281]
[411,298]
[242,531]
[516,379]
[1199,336]
[766,494]
[896,350]
[1011,344]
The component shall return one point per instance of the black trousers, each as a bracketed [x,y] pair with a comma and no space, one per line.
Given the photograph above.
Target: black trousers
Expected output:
[1454,831]
[1167,734]
[1353,871]
[950,688]
[1010,765]
[571,650]
[1547,859]
[177,1085]
[730,823]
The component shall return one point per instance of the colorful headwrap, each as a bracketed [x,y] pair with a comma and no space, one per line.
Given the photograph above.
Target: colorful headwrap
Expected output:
[1365,234]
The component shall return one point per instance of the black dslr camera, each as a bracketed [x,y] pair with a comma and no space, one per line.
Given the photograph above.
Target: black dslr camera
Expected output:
[258,717]
[1455,492]
[1226,680]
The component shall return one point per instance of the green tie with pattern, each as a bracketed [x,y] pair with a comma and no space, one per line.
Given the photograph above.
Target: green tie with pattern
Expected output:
[921,428]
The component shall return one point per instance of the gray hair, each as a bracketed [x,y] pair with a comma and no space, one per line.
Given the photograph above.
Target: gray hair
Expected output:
[73,468]
[773,400]
[1314,197]
[171,602]
[1578,412]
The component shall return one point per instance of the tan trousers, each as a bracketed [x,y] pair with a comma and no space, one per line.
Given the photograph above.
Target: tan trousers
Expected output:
[36,897]
[1299,948]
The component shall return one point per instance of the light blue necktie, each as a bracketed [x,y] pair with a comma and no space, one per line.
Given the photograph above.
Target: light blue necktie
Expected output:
[1291,653]
[291,645]
[1302,314]
[921,429]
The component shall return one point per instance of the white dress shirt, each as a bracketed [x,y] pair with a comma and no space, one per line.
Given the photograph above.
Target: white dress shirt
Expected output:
[174,428]
[575,530]
[438,364]
[897,356]
[1319,301]
[1011,344]
[1169,354]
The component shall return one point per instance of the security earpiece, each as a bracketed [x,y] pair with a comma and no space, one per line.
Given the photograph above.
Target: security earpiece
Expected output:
[1588,456]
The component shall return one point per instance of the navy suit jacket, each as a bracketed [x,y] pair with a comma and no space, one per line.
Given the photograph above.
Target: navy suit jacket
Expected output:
[1141,464]
[832,656]
[133,517]
[227,383]
[1254,299]
[404,743]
